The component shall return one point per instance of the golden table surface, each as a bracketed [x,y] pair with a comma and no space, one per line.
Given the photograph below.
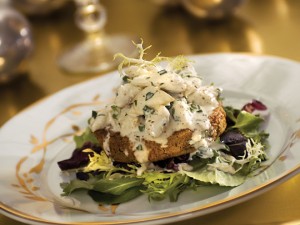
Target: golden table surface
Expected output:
[261,27]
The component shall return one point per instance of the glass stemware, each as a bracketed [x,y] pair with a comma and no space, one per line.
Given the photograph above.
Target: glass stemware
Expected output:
[95,53]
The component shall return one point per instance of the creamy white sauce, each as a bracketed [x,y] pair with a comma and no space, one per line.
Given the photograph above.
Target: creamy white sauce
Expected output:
[154,102]
[106,144]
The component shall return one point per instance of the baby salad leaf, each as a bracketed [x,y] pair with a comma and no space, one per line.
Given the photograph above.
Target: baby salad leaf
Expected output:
[126,196]
[247,122]
[177,186]
[231,113]
[103,184]
[117,186]
[87,136]
[75,184]
[249,125]
[216,177]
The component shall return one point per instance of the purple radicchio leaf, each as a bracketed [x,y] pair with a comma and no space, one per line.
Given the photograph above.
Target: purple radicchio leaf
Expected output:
[254,105]
[78,158]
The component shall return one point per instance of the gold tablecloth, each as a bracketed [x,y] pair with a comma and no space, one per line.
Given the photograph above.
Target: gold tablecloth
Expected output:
[261,27]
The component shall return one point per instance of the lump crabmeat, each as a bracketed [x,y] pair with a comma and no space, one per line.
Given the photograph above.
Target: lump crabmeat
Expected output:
[160,111]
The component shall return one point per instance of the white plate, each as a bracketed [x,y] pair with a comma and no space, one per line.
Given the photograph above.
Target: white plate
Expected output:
[32,142]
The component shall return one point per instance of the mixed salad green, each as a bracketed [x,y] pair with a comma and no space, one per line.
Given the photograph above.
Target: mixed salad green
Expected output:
[228,162]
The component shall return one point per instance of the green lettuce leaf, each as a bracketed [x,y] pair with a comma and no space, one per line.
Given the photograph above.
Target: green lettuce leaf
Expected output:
[77,184]
[231,112]
[248,123]
[74,185]
[86,136]
[117,186]
[126,196]
[103,184]
[216,177]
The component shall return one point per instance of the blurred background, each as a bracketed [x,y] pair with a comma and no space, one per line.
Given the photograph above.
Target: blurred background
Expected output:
[251,26]
[35,36]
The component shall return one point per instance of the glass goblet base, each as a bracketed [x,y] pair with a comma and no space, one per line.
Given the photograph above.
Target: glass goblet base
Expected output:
[95,54]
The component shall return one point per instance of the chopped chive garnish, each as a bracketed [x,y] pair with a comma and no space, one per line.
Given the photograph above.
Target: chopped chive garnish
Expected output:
[172,111]
[195,108]
[94,114]
[149,95]
[170,105]
[126,79]
[115,108]
[116,111]
[139,147]
[141,128]
[148,110]
[161,72]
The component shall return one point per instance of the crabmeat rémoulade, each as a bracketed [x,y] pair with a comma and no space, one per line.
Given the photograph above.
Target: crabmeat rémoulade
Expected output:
[153,103]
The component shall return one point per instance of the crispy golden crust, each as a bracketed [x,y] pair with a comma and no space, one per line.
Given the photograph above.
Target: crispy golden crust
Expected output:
[218,122]
[178,143]
[121,147]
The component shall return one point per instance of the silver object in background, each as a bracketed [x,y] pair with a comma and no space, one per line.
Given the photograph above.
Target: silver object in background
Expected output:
[206,9]
[211,8]
[15,43]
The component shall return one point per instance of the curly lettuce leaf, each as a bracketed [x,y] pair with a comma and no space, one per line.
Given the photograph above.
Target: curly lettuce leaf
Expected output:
[98,162]
[161,185]
[140,61]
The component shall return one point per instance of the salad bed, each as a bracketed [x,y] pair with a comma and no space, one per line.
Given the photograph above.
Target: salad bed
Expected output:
[233,157]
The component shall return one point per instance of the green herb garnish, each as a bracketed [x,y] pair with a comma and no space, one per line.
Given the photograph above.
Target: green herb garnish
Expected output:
[94,114]
[116,111]
[195,108]
[126,79]
[162,72]
[148,110]
[141,128]
[149,95]
[139,147]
